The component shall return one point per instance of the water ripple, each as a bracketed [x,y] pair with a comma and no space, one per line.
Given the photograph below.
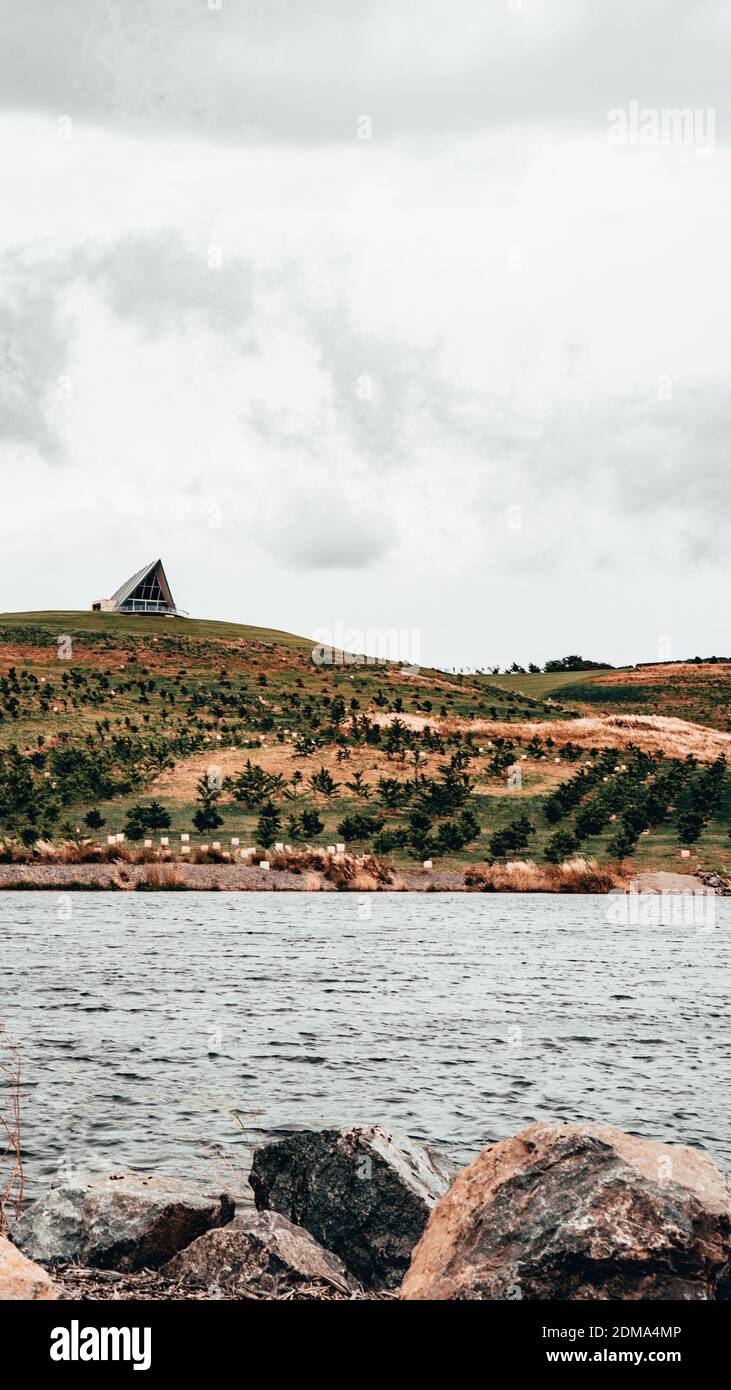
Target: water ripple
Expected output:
[460,1019]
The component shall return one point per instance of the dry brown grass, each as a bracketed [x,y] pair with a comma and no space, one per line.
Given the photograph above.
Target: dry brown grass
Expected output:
[178,784]
[363,882]
[676,738]
[72,852]
[523,876]
[676,671]
[160,877]
[94,854]
[417,722]
[367,874]
[13,854]
[198,855]
[360,873]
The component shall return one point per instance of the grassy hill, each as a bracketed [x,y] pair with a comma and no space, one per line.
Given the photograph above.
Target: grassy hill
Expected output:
[50,625]
[542,685]
[697,691]
[147,726]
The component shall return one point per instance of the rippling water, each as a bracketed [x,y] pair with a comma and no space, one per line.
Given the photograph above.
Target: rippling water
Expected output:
[145,1021]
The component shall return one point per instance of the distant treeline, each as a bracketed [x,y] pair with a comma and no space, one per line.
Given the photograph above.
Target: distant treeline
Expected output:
[579,663]
[561,663]
[688,661]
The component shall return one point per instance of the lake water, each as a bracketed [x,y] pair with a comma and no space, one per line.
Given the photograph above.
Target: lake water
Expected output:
[148,1023]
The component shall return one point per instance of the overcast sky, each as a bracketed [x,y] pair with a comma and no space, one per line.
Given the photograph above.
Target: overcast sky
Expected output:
[468,377]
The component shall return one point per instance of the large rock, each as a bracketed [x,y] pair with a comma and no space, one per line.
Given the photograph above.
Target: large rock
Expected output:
[20,1278]
[363,1193]
[259,1253]
[122,1221]
[577,1211]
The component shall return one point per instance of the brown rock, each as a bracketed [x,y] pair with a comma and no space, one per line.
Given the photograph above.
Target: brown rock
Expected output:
[578,1211]
[124,1221]
[20,1278]
[258,1253]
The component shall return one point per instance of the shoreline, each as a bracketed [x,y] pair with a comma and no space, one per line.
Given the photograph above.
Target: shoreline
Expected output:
[167,877]
[309,1228]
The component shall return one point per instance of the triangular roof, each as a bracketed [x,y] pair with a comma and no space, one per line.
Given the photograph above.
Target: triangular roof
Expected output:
[125,590]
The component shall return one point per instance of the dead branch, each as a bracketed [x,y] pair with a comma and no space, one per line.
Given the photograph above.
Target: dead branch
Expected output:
[11,1159]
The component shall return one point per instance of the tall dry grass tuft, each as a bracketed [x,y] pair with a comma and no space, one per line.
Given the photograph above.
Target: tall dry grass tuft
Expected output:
[523,876]
[92,854]
[207,856]
[11,1158]
[160,878]
[363,882]
[366,873]
[343,870]
[70,852]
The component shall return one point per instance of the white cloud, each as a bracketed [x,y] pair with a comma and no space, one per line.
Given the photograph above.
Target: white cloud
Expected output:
[324,377]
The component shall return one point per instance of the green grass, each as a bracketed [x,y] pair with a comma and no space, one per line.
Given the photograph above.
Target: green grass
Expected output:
[542,685]
[117,625]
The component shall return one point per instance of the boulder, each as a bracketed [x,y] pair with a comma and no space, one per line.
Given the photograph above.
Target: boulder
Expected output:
[123,1221]
[363,1193]
[260,1253]
[20,1278]
[577,1211]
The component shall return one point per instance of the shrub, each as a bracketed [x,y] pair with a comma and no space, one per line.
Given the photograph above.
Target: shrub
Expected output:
[622,844]
[311,824]
[268,825]
[388,840]
[359,826]
[561,846]
[512,839]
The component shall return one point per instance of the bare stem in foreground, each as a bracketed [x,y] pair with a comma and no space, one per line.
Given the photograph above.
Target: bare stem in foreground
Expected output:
[11,1160]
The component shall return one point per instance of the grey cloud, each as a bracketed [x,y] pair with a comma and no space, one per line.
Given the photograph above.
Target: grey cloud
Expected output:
[157,281]
[327,529]
[162,283]
[672,456]
[33,353]
[383,388]
[600,487]
[259,71]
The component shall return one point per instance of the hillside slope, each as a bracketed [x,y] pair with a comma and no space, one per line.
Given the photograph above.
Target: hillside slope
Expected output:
[154,727]
[699,691]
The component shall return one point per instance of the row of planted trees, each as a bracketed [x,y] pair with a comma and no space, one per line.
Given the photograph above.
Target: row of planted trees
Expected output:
[433,813]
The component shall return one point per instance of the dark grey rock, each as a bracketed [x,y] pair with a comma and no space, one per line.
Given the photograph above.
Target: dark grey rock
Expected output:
[363,1193]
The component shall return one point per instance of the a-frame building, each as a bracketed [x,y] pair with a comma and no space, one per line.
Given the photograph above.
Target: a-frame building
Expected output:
[147,591]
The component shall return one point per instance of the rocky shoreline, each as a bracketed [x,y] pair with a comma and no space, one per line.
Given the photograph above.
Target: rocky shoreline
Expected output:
[123,877]
[569,1211]
[206,878]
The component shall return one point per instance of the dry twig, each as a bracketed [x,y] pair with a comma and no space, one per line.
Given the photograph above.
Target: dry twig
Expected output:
[11,1159]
